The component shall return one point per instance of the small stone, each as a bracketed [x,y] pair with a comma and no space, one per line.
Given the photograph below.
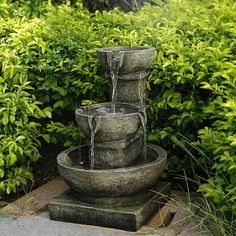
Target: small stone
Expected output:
[161,218]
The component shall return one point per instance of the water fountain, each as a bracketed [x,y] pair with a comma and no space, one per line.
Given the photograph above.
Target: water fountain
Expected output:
[113,176]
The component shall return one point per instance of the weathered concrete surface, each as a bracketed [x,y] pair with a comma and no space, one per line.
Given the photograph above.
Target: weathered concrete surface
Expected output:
[132,59]
[35,226]
[154,231]
[118,154]
[130,64]
[112,182]
[131,91]
[109,127]
[130,216]
[37,199]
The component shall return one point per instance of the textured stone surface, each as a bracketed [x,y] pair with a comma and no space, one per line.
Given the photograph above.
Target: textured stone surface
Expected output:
[131,87]
[129,217]
[133,199]
[131,65]
[132,59]
[112,182]
[116,156]
[139,75]
[154,231]
[131,91]
[109,127]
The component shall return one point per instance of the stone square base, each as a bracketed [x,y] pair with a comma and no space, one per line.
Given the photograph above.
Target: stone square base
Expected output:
[128,213]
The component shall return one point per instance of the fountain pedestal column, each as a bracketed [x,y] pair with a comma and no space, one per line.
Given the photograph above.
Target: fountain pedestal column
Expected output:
[131,88]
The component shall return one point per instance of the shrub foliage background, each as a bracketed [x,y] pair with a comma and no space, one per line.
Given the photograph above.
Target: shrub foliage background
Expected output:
[49,67]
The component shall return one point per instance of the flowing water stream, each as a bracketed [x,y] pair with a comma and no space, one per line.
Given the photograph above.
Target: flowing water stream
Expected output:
[114,62]
[143,118]
[114,80]
[93,125]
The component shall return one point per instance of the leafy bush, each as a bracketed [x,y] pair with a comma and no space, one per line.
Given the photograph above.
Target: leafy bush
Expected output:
[191,90]
[194,83]
[20,111]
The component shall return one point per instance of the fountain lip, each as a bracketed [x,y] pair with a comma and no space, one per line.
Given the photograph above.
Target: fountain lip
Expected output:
[62,160]
[128,49]
[137,109]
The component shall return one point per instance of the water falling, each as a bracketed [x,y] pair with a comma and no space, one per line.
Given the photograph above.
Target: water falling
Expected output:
[114,79]
[143,118]
[141,94]
[93,125]
[80,154]
[114,62]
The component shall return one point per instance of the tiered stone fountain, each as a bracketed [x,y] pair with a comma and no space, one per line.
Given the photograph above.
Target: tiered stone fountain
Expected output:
[113,177]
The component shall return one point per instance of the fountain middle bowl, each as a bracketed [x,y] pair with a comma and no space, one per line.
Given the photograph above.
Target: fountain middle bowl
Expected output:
[111,182]
[106,125]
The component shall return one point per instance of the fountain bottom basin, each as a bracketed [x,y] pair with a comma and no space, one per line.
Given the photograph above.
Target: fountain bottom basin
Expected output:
[123,198]
[112,182]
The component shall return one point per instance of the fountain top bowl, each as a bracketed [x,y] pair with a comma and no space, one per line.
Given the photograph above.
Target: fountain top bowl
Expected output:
[125,49]
[131,59]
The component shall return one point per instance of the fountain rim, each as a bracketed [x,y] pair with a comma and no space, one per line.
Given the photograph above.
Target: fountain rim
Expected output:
[61,160]
[79,111]
[129,49]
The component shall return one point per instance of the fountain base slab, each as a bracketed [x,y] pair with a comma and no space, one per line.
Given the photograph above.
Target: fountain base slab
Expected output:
[130,216]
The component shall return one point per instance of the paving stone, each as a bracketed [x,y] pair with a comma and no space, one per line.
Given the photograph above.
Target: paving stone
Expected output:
[37,199]
[162,218]
[154,231]
[35,226]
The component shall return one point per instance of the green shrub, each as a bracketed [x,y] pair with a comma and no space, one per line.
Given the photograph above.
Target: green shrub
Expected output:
[20,130]
[191,90]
